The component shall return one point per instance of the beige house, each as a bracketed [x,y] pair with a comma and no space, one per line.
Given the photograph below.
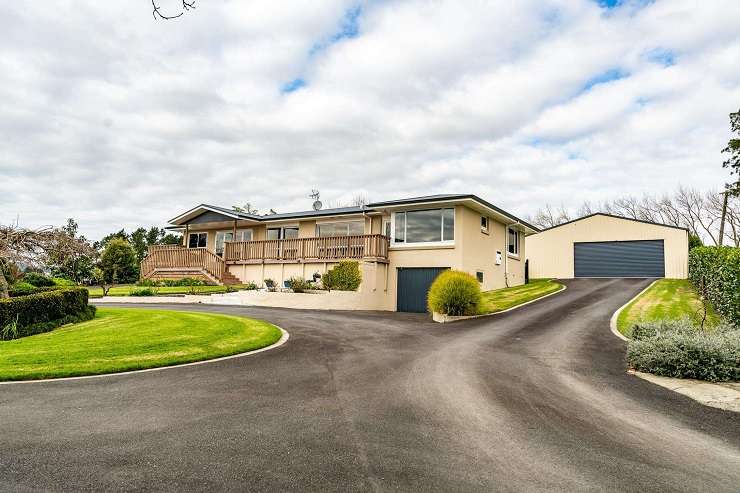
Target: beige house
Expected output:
[401,246]
[603,245]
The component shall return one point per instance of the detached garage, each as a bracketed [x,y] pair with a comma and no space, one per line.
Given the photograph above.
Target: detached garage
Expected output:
[603,245]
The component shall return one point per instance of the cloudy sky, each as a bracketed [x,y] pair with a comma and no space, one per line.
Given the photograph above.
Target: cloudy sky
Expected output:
[119,120]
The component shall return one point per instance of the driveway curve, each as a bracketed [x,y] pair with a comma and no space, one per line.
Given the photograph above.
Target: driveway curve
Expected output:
[535,399]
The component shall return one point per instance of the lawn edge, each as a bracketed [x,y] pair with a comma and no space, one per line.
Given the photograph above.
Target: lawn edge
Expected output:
[283,339]
[705,393]
[615,315]
[445,319]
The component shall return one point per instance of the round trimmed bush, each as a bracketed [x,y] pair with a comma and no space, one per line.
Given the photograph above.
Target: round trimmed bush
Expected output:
[455,293]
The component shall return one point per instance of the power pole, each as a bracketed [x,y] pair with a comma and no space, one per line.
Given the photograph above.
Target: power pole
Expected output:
[724,214]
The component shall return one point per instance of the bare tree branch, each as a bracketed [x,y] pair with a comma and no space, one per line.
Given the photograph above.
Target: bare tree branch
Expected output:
[158,14]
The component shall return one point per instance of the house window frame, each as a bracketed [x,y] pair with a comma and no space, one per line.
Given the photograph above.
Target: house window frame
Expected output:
[198,234]
[281,234]
[517,243]
[347,223]
[231,231]
[438,243]
[485,229]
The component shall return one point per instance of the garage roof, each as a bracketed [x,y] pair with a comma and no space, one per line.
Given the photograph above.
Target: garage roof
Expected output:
[615,217]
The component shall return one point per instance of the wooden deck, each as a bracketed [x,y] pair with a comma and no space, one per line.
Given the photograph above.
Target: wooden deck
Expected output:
[168,258]
[322,249]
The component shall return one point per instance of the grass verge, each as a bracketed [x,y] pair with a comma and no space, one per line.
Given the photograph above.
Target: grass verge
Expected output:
[667,299]
[124,339]
[503,299]
[125,290]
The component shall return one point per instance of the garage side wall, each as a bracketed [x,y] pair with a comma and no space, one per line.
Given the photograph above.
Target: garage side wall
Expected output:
[551,253]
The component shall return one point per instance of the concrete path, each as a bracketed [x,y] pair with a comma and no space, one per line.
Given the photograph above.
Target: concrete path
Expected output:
[536,399]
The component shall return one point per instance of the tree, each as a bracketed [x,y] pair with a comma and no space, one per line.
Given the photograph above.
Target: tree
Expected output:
[694,241]
[733,149]
[21,246]
[699,212]
[246,209]
[118,264]
[68,255]
[138,240]
[156,12]
[171,239]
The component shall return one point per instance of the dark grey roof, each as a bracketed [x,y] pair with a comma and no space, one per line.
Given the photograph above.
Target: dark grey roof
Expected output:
[442,197]
[367,208]
[232,211]
[322,212]
[615,217]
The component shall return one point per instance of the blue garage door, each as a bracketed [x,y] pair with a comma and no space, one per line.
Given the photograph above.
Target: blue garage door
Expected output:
[620,259]
[413,285]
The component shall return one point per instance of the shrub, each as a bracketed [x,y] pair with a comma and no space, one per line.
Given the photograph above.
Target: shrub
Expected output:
[145,291]
[298,284]
[678,349]
[718,270]
[32,314]
[65,283]
[149,283]
[184,282]
[38,280]
[250,286]
[455,293]
[21,289]
[345,276]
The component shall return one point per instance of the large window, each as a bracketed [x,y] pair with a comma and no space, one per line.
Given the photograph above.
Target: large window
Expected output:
[282,233]
[513,242]
[430,226]
[198,240]
[340,229]
[223,236]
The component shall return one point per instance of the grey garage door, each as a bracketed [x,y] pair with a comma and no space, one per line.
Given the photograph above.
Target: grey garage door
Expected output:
[620,259]
[413,285]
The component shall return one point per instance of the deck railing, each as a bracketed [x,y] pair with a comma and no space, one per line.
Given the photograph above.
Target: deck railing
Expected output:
[174,257]
[357,247]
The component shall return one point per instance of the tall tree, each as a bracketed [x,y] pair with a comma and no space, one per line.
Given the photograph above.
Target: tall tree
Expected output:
[733,149]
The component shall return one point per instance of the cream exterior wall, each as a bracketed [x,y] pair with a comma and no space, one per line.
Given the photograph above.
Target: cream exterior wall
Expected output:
[551,253]
[472,251]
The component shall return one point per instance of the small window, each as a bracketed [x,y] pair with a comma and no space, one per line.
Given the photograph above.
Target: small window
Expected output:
[387,228]
[484,224]
[479,275]
[198,240]
[513,247]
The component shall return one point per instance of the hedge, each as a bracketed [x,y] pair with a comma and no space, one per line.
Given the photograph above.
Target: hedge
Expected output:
[719,269]
[42,312]
[455,293]
[677,348]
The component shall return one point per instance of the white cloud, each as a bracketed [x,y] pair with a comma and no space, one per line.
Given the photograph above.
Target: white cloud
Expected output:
[118,120]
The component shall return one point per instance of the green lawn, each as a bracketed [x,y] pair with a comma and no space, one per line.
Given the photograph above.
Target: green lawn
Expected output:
[666,299]
[503,299]
[121,339]
[125,290]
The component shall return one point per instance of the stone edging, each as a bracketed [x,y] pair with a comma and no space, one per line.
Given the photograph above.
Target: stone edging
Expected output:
[721,396]
[445,319]
[283,339]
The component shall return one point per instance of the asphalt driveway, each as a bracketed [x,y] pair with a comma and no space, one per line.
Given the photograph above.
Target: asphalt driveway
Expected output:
[532,400]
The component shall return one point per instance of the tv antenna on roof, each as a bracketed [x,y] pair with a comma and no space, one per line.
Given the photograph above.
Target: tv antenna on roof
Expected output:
[317,205]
